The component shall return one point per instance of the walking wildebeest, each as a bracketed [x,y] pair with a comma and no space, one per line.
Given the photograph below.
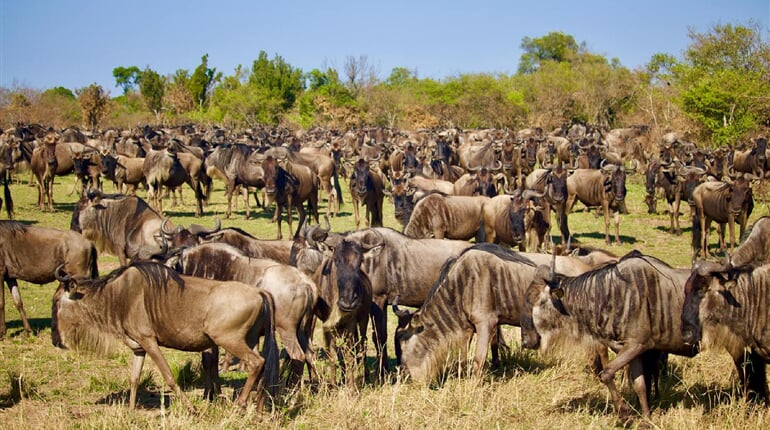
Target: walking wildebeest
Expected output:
[147,306]
[290,186]
[33,253]
[632,307]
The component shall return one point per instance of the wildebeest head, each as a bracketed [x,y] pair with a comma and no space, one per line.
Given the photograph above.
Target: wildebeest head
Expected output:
[741,198]
[352,282]
[109,164]
[688,178]
[530,151]
[521,203]
[705,277]
[361,181]
[484,177]
[542,307]
[615,179]
[556,184]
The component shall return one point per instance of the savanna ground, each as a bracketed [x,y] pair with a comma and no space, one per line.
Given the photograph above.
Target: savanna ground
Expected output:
[44,387]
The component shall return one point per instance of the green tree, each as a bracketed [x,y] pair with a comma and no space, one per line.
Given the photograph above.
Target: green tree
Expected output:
[723,81]
[554,46]
[126,77]
[201,82]
[94,104]
[152,87]
[278,78]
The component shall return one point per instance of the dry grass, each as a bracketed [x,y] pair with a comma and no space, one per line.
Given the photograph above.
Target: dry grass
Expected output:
[44,387]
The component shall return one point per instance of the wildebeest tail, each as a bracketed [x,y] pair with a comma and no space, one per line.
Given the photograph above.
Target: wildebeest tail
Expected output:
[697,237]
[337,187]
[92,262]
[270,346]
[8,197]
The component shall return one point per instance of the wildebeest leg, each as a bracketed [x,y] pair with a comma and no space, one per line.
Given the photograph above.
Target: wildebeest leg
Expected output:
[229,194]
[484,333]
[355,213]
[380,336]
[636,374]
[254,365]
[607,376]
[605,207]
[332,354]
[136,372]
[151,347]
[13,286]
[616,219]
[210,364]
[2,312]
[752,374]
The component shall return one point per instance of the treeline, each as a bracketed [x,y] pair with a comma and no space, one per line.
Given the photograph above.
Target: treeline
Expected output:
[717,92]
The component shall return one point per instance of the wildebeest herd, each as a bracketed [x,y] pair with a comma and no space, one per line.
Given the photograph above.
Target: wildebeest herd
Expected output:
[447,186]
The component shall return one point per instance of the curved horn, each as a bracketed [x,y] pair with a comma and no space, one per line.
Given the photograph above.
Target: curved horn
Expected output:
[199,230]
[498,166]
[401,313]
[531,194]
[166,232]
[635,164]
[61,275]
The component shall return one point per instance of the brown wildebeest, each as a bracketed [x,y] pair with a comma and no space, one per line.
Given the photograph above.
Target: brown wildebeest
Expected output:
[148,306]
[290,185]
[43,165]
[32,254]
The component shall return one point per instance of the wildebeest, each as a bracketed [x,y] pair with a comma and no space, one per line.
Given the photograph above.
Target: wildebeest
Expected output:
[344,302]
[605,188]
[165,168]
[147,306]
[87,166]
[752,160]
[366,187]
[44,165]
[241,165]
[290,187]
[552,182]
[441,216]
[505,217]
[478,290]
[293,292]
[729,309]
[276,250]
[754,251]
[122,170]
[725,203]
[632,306]
[32,254]
[120,225]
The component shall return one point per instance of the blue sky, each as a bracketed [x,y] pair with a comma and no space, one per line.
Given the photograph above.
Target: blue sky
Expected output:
[74,43]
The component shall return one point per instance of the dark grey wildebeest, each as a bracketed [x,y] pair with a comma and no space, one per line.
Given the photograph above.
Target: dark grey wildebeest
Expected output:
[730,309]
[147,306]
[633,307]
[476,292]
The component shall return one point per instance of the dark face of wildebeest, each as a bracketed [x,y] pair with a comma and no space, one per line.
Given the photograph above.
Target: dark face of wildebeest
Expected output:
[351,280]
[695,290]
[362,177]
[557,181]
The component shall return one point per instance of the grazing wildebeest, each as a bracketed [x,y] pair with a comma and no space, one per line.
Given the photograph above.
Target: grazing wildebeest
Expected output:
[44,165]
[725,203]
[366,187]
[147,306]
[441,216]
[33,253]
[344,302]
[475,292]
[728,309]
[124,226]
[605,188]
[294,293]
[632,307]
[290,186]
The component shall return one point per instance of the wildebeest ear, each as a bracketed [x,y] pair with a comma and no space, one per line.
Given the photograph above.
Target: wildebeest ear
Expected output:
[373,252]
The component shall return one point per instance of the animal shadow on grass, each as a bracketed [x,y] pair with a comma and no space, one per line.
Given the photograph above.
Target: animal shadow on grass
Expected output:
[600,236]
[64,207]
[16,329]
